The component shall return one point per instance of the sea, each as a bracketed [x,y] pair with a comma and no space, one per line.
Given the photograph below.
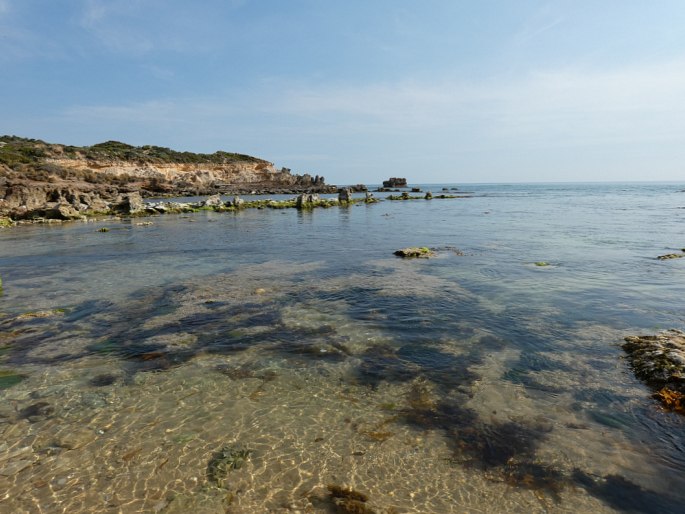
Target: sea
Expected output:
[276,360]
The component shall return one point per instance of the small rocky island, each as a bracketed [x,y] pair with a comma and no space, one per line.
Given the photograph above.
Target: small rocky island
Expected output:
[54,181]
[395,182]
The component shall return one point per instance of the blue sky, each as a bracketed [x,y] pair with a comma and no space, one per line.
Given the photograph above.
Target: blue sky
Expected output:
[360,90]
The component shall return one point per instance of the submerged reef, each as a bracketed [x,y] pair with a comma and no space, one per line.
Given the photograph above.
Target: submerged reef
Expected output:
[659,360]
[227,459]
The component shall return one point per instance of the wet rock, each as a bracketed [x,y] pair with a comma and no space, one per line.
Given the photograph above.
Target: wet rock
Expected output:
[659,360]
[74,438]
[306,200]
[12,468]
[37,412]
[344,195]
[94,400]
[669,256]
[225,460]
[395,182]
[204,502]
[414,252]
[237,202]
[9,379]
[130,203]
[349,501]
[103,380]
[63,211]
[212,201]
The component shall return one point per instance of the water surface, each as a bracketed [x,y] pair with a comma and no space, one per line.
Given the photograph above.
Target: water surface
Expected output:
[476,381]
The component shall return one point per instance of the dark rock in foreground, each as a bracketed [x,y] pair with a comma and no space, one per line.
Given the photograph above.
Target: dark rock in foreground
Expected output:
[659,360]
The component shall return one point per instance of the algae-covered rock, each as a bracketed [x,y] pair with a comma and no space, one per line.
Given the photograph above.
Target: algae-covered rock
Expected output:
[659,360]
[349,501]
[225,460]
[9,378]
[414,252]
[670,256]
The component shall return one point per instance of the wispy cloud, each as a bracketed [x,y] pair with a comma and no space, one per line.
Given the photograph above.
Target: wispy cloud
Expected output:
[549,112]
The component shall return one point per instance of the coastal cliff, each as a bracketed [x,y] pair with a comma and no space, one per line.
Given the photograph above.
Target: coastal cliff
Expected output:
[38,177]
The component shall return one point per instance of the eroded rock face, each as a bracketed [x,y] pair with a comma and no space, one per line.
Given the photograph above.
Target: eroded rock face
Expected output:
[130,203]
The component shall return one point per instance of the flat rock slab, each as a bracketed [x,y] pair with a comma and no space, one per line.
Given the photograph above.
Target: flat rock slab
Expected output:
[15,467]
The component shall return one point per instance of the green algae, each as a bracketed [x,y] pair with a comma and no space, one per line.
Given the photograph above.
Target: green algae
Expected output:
[225,460]
[10,378]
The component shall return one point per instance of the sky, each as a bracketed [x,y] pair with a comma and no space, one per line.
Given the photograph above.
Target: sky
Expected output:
[361,90]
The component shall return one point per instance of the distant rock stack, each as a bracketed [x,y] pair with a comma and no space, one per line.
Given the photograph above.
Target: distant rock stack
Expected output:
[395,182]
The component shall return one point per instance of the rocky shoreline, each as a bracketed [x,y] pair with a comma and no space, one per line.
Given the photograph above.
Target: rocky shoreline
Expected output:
[41,180]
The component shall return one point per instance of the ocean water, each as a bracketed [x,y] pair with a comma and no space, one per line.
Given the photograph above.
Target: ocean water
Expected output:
[134,361]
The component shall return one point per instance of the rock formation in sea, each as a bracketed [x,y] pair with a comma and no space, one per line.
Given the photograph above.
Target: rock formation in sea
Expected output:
[39,179]
[395,182]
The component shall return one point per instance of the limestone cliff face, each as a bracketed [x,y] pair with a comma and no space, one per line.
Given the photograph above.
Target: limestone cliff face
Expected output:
[201,175]
[35,175]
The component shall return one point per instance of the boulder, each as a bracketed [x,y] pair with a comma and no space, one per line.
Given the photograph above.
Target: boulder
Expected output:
[213,201]
[414,252]
[63,211]
[659,360]
[130,203]
[395,182]
[344,195]
[306,200]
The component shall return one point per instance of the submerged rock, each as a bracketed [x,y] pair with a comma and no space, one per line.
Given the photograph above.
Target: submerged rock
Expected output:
[225,460]
[349,501]
[659,360]
[669,256]
[414,252]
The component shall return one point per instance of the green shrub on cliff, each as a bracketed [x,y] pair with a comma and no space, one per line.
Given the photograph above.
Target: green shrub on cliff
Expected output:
[16,151]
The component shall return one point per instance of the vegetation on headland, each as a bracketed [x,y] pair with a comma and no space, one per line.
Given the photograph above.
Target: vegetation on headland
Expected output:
[18,151]
[40,180]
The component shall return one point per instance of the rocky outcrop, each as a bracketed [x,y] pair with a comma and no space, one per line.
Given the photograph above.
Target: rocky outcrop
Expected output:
[344,195]
[37,177]
[395,182]
[421,252]
[130,203]
[306,200]
[659,360]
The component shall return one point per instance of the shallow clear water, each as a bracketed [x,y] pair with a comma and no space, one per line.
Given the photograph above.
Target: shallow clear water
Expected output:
[475,381]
